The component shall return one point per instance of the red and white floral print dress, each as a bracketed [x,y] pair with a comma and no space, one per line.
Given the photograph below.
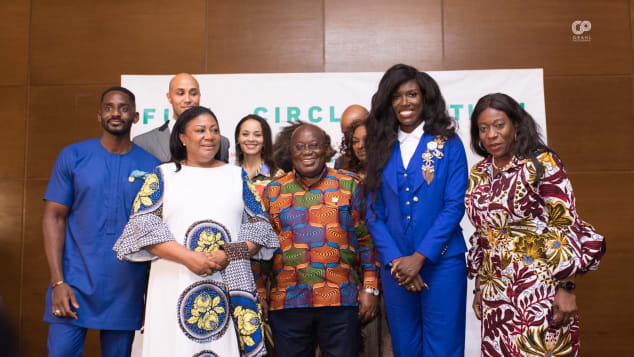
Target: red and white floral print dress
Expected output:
[527,238]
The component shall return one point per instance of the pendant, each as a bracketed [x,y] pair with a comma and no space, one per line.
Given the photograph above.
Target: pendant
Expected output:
[428,173]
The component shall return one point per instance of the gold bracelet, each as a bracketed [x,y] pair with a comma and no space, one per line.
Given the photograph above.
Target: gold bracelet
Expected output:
[56,284]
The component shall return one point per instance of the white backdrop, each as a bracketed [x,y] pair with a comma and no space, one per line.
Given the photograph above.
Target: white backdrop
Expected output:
[320,98]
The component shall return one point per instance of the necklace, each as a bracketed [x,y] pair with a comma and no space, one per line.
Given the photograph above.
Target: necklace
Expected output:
[502,168]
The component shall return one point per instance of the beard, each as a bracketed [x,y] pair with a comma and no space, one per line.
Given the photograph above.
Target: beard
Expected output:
[121,130]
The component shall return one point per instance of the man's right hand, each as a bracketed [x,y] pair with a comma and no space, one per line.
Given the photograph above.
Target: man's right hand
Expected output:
[61,296]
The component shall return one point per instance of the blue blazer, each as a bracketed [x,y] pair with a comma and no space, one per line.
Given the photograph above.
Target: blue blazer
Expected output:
[420,217]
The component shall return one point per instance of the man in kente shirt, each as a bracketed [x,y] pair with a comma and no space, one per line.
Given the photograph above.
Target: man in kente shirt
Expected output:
[317,297]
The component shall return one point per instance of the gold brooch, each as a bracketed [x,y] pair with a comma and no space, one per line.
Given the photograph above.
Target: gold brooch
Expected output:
[433,151]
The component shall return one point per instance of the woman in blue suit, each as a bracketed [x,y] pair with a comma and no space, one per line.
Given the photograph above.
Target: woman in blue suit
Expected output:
[415,185]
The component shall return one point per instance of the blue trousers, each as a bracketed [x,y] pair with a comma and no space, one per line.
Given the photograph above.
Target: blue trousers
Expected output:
[297,332]
[432,322]
[68,341]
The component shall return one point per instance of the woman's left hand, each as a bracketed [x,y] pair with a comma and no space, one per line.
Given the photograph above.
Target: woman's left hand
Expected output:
[219,257]
[564,307]
[416,285]
[405,269]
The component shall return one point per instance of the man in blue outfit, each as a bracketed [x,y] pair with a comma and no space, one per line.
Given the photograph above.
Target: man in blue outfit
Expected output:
[87,203]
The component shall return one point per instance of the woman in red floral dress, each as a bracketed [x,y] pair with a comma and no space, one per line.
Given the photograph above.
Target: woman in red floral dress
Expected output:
[529,242]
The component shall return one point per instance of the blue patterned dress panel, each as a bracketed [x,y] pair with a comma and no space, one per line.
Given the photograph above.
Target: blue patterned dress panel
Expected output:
[247,316]
[203,311]
[206,236]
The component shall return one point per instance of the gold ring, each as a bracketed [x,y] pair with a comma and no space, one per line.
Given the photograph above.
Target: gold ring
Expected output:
[57,312]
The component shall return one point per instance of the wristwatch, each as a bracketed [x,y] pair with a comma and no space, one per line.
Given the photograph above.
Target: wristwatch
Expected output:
[566,285]
[372,291]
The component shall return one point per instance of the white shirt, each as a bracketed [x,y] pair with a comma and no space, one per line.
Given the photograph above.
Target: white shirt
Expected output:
[170,124]
[409,142]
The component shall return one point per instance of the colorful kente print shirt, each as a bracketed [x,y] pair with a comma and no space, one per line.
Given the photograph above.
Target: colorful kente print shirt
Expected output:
[528,237]
[323,241]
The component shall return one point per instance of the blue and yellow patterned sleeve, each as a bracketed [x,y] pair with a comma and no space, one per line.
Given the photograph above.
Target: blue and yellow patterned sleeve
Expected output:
[145,226]
[252,200]
[255,224]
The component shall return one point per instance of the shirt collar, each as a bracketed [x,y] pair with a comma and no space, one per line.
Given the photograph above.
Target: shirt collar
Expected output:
[300,180]
[416,134]
[264,170]
[170,124]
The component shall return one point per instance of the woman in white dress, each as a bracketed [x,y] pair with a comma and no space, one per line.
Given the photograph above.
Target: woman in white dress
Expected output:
[199,221]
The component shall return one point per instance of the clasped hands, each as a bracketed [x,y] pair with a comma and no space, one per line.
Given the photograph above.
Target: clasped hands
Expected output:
[406,271]
[203,264]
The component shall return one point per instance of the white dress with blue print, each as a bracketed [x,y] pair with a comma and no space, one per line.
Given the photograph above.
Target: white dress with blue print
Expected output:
[203,209]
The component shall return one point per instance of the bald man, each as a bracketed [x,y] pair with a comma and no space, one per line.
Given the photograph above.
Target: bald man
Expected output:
[184,93]
[352,113]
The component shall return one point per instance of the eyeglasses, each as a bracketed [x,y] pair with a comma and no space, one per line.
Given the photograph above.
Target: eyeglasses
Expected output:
[301,147]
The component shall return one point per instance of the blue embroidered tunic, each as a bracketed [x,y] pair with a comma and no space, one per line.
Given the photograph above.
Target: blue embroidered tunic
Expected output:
[97,187]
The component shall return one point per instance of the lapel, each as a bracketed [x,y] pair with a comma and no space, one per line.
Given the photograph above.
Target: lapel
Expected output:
[391,169]
[164,140]
[416,163]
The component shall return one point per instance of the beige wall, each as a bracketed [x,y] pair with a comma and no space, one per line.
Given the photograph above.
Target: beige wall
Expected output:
[57,57]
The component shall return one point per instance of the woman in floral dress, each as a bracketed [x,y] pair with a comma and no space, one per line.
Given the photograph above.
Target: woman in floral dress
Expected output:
[529,242]
[199,220]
